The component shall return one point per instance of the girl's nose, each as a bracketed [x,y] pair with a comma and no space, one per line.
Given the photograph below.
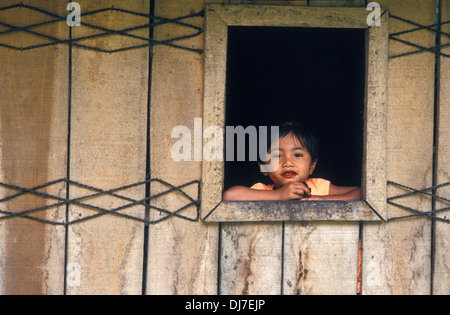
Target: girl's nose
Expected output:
[287,162]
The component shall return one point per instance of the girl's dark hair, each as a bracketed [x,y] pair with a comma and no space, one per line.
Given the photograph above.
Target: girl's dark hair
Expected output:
[302,133]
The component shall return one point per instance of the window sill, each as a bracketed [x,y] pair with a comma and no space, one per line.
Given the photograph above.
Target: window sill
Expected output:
[279,211]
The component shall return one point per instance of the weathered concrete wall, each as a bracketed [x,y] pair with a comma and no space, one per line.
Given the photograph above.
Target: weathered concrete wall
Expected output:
[109,96]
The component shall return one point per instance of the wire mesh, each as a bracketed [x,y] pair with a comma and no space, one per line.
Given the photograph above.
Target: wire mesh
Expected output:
[52,201]
[191,30]
[49,39]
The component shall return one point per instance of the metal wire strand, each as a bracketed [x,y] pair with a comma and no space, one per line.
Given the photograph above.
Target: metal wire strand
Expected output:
[191,30]
[97,192]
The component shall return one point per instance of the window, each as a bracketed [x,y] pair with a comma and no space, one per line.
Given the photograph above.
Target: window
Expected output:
[315,76]
[232,30]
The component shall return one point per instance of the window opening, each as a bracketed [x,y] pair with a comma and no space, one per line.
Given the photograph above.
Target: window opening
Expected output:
[314,76]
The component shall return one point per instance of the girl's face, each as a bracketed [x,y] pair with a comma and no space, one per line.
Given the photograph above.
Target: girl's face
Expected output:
[294,161]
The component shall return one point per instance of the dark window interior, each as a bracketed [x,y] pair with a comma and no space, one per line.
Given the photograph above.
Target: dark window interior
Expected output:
[308,75]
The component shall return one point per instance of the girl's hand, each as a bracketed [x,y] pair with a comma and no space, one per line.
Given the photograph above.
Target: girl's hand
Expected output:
[293,191]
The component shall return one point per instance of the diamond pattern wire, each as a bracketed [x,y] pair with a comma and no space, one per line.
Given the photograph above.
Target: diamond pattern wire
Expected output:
[58,201]
[141,42]
[419,48]
[425,192]
[145,203]
[192,31]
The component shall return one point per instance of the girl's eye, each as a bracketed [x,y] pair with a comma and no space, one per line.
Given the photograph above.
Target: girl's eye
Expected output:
[277,156]
[298,155]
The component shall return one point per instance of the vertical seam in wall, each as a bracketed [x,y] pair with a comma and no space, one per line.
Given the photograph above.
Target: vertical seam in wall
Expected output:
[219,261]
[69,133]
[147,167]
[359,269]
[283,230]
[437,84]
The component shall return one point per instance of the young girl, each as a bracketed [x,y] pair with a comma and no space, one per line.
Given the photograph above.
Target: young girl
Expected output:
[297,153]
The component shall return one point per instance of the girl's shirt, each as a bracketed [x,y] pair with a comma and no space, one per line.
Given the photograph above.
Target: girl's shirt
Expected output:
[318,186]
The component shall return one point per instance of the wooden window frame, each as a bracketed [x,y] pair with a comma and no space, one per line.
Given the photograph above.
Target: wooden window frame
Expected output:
[373,207]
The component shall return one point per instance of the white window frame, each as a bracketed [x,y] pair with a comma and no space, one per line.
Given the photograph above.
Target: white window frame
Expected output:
[373,207]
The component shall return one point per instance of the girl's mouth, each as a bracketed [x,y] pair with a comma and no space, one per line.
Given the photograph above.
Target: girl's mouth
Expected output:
[289,174]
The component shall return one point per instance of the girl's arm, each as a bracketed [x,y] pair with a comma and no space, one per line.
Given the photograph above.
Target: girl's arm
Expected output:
[241,193]
[340,193]
[291,191]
